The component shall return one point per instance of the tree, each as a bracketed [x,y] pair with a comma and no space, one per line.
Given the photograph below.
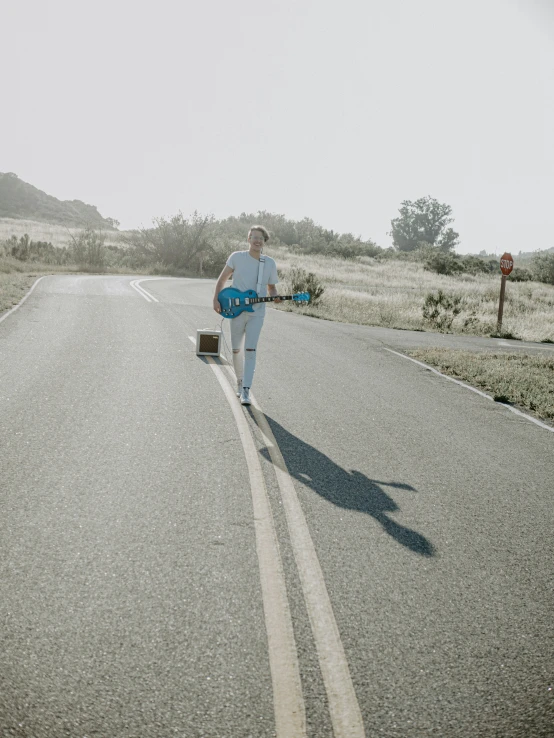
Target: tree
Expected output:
[421,222]
[175,243]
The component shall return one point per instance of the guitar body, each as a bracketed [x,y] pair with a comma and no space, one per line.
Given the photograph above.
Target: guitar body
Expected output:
[234,302]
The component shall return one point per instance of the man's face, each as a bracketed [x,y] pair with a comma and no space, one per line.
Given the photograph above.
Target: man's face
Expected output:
[256,240]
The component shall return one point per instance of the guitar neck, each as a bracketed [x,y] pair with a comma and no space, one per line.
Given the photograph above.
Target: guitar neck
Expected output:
[270,299]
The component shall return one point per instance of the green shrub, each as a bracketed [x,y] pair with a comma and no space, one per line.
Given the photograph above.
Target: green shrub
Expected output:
[472,323]
[391,254]
[89,252]
[476,325]
[302,281]
[520,274]
[543,267]
[352,248]
[440,310]
[27,250]
[443,262]
[215,256]
[476,265]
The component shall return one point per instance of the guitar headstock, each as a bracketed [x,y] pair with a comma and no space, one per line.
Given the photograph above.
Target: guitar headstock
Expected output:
[301,297]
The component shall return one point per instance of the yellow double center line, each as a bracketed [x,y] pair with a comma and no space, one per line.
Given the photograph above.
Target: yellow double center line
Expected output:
[289,708]
[290,717]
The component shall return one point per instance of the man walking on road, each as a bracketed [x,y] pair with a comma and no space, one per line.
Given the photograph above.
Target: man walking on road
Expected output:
[246,268]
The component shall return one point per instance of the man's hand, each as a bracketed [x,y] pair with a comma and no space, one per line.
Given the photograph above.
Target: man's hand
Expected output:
[223,277]
[272,292]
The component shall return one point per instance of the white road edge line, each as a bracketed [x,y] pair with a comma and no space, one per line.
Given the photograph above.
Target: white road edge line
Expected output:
[524,346]
[473,389]
[20,303]
[290,713]
[344,709]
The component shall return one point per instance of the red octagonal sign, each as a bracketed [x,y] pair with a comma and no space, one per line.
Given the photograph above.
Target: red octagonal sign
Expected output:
[506,263]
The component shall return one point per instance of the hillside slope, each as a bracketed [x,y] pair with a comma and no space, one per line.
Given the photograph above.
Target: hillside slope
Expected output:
[21,200]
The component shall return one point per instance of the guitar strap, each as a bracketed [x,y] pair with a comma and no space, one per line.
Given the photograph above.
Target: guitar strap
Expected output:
[260,274]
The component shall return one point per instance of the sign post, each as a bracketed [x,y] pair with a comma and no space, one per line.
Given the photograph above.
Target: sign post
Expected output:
[506,266]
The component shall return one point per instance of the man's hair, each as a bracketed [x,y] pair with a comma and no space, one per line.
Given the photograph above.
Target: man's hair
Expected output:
[263,231]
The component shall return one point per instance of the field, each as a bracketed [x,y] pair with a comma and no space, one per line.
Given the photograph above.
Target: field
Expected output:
[58,235]
[391,293]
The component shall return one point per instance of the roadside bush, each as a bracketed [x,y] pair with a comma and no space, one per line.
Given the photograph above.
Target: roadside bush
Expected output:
[214,257]
[390,254]
[543,267]
[443,262]
[180,244]
[24,249]
[115,255]
[134,261]
[472,323]
[476,265]
[475,325]
[88,251]
[520,274]
[302,281]
[440,310]
[19,249]
[348,247]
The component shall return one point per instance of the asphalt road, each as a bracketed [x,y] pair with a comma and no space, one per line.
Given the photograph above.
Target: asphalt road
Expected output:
[132,587]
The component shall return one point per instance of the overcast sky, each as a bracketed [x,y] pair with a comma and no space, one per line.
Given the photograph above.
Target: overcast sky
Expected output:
[336,110]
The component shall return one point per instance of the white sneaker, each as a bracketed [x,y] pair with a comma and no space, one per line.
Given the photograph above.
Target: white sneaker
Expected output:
[239,387]
[245,396]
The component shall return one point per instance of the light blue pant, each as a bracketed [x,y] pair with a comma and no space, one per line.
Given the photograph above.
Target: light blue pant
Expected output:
[245,327]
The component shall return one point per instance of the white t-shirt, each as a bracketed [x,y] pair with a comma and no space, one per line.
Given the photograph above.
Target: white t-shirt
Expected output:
[245,274]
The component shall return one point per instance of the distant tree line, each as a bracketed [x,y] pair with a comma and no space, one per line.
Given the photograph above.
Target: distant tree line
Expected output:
[199,245]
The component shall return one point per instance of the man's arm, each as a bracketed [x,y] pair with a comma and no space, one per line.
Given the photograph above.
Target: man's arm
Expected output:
[272,291]
[223,277]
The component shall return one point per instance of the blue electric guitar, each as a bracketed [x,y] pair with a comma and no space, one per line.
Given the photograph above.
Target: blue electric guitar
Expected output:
[234,302]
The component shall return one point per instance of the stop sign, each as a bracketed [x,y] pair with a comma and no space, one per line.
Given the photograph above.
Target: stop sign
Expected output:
[506,263]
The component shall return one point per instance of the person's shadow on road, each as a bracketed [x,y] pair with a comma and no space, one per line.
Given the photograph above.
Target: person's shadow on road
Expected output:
[351,490]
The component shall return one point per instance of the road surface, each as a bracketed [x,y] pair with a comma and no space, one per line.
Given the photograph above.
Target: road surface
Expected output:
[367,550]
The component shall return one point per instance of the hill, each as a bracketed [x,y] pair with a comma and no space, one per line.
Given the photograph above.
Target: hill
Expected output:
[21,200]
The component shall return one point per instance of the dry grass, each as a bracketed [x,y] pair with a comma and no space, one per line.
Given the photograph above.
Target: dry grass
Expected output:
[57,235]
[391,294]
[17,278]
[524,380]
[13,288]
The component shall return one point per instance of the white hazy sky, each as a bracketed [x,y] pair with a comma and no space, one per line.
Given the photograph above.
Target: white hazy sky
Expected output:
[336,111]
